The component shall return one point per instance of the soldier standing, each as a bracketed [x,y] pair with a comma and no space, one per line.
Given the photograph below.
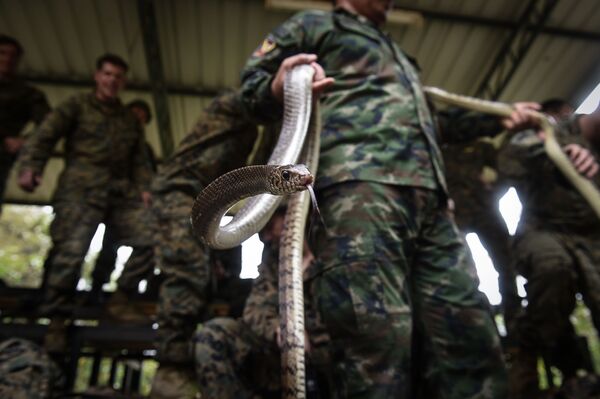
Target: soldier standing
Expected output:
[221,141]
[391,253]
[556,249]
[19,104]
[105,180]
[141,263]
[475,197]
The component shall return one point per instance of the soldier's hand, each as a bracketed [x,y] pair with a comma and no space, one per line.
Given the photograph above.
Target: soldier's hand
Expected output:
[582,159]
[147,199]
[28,180]
[521,118]
[12,145]
[320,81]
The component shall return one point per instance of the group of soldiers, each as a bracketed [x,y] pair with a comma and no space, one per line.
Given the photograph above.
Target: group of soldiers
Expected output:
[392,304]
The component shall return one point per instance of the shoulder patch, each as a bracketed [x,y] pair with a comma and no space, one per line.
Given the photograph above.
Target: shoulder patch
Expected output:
[267,46]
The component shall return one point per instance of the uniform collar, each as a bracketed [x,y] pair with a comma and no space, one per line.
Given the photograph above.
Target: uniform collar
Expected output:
[360,18]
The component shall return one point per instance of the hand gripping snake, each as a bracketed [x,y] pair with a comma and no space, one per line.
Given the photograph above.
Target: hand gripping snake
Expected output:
[270,181]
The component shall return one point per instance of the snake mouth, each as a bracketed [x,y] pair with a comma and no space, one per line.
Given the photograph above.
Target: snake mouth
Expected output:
[307,180]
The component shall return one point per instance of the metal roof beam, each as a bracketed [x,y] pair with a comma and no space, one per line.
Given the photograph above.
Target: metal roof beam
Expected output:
[503,24]
[147,16]
[515,48]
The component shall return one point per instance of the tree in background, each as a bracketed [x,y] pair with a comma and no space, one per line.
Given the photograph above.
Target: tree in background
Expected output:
[24,241]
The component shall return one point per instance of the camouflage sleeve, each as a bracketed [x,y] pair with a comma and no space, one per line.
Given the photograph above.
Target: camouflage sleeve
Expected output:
[458,125]
[257,99]
[142,166]
[39,106]
[261,310]
[519,155]
[38,147]
[524,154]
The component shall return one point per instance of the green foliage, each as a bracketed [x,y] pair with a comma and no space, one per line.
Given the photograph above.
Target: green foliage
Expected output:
[24,241]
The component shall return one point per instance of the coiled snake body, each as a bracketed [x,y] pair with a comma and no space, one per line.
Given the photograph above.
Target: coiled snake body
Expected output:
[213,202]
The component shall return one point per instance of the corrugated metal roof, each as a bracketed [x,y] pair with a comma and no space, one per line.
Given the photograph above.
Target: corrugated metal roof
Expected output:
[205,43]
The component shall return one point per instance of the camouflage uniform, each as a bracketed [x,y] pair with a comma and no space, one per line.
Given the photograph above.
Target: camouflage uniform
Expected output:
[240,358]
[19,104]
[391,253]
[27,372]
[106,169]
[221,141]
[141,262]
[476,209]
[557,250]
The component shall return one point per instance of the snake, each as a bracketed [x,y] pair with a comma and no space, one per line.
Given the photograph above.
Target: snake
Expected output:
[551,145]
[265,185]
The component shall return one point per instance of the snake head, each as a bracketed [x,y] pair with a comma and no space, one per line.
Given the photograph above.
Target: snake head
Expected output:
[288,179]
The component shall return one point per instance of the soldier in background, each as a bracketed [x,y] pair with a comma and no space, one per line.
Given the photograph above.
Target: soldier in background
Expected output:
[141,264]
[221,141]
[475,196]
[556,249]
[106,178]
[19,104]
[241,358]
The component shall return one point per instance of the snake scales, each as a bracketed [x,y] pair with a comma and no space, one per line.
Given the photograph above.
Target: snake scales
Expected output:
[213,202]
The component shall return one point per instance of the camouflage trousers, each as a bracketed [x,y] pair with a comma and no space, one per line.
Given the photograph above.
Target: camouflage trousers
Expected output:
[557,266]
[140,265]
[493,234]
[72,230]
[394,267]
[234,363]
[184,263]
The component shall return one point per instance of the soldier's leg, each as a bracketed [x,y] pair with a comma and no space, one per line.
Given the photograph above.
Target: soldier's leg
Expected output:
[361,290]
[107,258]
[71,231]
[551,286]
[224,350]
[105,264]
[132,225]
[463,358]
[184,263]
[495,238]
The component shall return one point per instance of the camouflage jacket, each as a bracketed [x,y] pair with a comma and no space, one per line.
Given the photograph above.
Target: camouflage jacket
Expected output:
[549,200]
[19,104]
[377,124]
[104,147]
[261,312]
[465,163]
[221,141]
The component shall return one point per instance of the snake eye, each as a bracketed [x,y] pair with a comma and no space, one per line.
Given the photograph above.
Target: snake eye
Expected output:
[286,175]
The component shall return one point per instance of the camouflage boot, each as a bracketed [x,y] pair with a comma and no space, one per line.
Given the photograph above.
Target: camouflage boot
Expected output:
[174,382]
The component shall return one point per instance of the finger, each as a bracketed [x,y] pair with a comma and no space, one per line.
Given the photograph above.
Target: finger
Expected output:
[322,85]
[319,71]
[525,106]
[581,157]
[298,59]
[585,166]
[593,170]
